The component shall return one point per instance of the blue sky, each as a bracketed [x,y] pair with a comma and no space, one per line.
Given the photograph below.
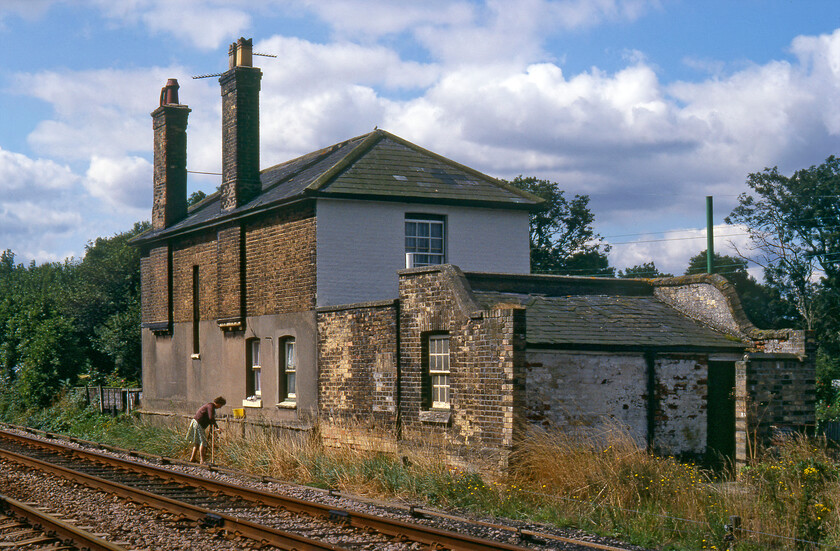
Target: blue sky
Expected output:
[648,106]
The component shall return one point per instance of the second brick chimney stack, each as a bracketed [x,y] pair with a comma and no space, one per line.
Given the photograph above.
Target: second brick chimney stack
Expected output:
[240,128]
[169,121]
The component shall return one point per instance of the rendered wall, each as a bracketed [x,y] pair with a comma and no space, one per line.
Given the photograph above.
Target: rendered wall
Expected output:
[588,393]
[361,245]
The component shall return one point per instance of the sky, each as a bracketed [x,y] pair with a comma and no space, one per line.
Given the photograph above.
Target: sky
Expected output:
[646,106]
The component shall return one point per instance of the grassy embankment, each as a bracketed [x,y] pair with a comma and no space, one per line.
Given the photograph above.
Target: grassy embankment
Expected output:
[613,488]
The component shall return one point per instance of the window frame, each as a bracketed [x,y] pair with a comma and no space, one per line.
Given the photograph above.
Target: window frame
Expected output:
[415,252]
[437,370]
[284,372]
[253,372]
[196,313]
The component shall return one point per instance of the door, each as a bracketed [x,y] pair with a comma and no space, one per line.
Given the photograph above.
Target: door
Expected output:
[720,410]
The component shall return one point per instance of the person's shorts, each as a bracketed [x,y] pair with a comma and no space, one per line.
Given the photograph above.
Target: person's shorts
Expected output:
[195,434]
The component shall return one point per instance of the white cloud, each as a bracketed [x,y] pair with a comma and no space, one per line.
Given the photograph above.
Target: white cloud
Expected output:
[672,250]
[376,18]
[100,112]
[204,23]
[22,177]
[303,66]
[120,182]
[28,9]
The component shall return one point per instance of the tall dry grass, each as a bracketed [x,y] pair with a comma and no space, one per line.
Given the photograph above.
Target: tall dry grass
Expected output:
[787,498]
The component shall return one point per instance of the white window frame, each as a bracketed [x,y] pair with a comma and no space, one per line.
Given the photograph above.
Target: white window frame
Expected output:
[423,251]
[439,385]
[289,367]
[256,366]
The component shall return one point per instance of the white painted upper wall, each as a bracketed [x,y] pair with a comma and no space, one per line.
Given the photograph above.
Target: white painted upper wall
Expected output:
[361,245]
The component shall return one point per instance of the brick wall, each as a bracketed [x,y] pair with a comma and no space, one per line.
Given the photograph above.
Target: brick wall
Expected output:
[188,252]
[280,263]
[154,285]
[229,272]
[169,190]
[486,366]
[357,356]
[240,88]
[780,393]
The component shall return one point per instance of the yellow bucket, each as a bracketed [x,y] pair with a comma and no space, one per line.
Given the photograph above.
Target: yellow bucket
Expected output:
[239,413]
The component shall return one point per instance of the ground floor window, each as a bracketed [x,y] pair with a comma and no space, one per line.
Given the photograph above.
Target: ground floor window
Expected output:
[288,370]
[438,370]
[254,369]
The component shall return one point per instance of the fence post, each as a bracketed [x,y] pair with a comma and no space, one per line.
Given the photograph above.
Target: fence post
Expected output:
[101,400]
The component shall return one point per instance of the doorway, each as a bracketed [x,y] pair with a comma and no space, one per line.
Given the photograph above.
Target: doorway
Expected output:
[720,414]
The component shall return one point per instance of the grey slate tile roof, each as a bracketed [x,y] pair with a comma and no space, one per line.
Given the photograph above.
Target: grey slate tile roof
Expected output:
[594,321]
[374,166]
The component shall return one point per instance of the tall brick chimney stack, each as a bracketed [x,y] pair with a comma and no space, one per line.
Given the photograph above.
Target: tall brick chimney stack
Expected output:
[240,127]
[169,122]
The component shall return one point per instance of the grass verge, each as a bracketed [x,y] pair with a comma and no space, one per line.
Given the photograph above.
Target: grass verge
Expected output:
[789,499]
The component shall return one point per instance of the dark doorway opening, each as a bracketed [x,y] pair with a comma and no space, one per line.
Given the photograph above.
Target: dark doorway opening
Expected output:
[720,411]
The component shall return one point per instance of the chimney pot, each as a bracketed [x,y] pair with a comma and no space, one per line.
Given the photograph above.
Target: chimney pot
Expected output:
[169,93]
[240,53]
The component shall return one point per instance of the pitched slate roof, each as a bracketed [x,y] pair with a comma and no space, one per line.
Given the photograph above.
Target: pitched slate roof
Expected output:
[374,166]
[614,320]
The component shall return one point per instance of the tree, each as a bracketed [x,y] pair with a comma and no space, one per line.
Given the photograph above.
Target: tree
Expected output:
[763,304]
[647,269]
[105,303]
[196,197]
[561,234]
[793,226]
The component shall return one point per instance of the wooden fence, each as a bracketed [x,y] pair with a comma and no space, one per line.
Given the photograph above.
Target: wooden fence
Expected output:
[111,400]
[831,429]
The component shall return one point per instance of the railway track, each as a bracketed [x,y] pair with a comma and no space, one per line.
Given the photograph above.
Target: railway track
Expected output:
[271,519]
[26,527]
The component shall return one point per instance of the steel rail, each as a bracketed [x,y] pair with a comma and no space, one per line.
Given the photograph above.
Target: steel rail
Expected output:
[56,528]
[257,532]
[392,527]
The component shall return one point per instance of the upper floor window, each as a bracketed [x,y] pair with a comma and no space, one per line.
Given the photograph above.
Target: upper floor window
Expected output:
[438,370]
[288,370]
[424,240]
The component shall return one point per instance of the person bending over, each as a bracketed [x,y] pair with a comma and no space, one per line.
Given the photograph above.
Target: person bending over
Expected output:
[204,417]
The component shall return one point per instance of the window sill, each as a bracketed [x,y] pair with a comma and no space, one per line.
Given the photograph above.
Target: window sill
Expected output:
[195,356]
[287,405]
[436,416]
[252,403]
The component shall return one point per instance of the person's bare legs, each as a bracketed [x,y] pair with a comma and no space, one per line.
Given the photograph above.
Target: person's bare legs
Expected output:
[193,454]
[202,451]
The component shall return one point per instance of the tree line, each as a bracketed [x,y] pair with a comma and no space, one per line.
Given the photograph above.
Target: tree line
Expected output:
[71,322]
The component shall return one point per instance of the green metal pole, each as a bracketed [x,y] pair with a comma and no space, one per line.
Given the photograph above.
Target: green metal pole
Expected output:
[710,237]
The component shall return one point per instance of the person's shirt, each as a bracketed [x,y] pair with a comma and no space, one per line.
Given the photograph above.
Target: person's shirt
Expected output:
[206,415]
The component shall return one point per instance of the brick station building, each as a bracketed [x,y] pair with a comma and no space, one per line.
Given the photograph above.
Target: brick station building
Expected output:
[380,293]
